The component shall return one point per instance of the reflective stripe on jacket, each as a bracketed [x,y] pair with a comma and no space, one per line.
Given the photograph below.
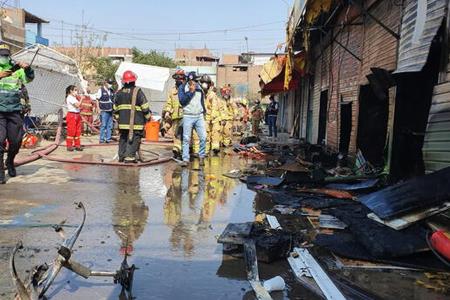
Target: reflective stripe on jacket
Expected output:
[10,88]
[173,105]
[122,109]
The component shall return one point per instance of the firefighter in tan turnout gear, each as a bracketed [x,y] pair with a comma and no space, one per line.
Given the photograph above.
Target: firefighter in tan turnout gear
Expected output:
[212,117]
[173,112]
[226,117]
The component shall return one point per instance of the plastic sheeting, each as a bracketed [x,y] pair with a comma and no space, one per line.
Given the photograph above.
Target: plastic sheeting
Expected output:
[149,77]
[155,82]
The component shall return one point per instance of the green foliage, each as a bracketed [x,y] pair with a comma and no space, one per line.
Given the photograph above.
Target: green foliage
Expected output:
[153,58]
[104,68]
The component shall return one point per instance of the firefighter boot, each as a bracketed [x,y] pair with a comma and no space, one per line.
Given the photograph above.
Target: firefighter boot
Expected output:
[2,171]
[11,168]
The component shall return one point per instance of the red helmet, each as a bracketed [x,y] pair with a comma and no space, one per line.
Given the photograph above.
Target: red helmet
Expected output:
[129,76]
[179,75]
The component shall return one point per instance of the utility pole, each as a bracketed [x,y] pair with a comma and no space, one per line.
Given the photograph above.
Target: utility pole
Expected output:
[62,33]
[81,40]
[248,70]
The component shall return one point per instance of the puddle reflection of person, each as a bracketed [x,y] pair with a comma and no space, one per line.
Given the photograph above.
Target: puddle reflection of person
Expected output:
[191,202]
[130,214]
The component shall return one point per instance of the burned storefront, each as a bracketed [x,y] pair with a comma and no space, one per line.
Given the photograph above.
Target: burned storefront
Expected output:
[371,69]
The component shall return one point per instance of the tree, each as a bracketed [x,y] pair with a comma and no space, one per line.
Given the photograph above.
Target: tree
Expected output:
[153,58]
[104,68]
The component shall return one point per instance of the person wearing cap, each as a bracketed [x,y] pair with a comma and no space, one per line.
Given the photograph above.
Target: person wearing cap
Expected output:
[173,112]
[192,99]
[132,111]
[12,76]
[105,96]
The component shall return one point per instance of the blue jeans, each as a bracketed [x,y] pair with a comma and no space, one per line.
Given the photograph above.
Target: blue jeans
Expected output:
[272,125]
[106,119]
[198,124]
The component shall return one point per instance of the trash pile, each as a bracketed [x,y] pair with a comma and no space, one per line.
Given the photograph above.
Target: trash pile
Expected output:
[323,212]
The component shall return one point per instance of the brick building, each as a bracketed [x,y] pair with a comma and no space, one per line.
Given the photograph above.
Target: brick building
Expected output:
[371,70]
[194,57]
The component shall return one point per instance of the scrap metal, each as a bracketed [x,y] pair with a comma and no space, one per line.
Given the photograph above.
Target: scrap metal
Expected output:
[309,266]
[43,276]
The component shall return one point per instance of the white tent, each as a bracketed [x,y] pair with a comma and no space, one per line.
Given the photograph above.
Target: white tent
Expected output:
[154,81]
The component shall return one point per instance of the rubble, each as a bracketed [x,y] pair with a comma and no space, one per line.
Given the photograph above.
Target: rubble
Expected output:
[347,214]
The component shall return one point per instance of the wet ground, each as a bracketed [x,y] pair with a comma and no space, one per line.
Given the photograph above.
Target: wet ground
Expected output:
[167,217]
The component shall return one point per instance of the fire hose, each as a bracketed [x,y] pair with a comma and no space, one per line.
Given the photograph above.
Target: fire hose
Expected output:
[46,151]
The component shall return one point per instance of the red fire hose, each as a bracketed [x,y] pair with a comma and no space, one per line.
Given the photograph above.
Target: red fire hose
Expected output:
[46,151]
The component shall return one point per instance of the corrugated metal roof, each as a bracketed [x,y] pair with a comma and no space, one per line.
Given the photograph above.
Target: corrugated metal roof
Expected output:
[436,148]
[419,26]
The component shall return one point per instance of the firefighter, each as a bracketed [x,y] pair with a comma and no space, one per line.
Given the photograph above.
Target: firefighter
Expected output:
[12,76]
[173,112]
[132,110]
[226,117]
[87,108]
[245,115]
[237,118]
[212,117]
[257,115]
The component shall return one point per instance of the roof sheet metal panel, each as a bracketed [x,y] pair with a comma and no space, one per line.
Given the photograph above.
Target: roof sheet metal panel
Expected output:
[436,148]
[419,26]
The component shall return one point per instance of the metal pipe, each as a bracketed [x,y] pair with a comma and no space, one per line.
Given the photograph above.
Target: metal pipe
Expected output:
[103,274]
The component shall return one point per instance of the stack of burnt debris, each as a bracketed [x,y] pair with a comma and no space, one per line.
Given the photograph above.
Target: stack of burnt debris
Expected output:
[316,211]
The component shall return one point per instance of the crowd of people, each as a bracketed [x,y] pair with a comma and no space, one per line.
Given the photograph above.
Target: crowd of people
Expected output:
[128,106]
[202,122]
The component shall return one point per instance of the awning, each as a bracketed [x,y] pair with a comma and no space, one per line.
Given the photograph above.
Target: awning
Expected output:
[272,68]
[420,23]
[273,75]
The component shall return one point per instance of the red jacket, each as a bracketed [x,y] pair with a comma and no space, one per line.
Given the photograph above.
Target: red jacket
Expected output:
[87,106]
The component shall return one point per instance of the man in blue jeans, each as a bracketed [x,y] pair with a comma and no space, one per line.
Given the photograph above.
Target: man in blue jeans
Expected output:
[272,116]
[192,99]
[105,96]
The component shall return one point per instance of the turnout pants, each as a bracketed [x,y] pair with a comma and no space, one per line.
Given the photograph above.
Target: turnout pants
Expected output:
[87,120]
[73,121]
[227,133]
[10,129]
[255,127]
[176,138]
[128,149]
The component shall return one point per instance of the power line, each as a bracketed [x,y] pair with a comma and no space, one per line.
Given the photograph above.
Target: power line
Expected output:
[224,30]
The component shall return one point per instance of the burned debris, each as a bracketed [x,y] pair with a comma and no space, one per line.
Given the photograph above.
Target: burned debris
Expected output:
[318,222]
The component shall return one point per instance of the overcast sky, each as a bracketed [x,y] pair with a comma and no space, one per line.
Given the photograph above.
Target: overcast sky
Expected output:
[163,25]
